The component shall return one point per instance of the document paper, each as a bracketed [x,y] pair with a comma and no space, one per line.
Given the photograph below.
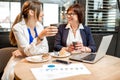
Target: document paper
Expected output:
[59,71]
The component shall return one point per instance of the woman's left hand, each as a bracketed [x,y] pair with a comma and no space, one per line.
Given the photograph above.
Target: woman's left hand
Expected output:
[17,53]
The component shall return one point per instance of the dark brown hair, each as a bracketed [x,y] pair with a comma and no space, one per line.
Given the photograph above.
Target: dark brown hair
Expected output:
[78,10]
[34,5]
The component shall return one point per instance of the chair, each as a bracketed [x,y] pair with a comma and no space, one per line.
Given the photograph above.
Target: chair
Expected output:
[5,54]
[51,41]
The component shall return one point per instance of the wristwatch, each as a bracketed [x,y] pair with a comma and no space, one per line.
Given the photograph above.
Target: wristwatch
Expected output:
[41,39]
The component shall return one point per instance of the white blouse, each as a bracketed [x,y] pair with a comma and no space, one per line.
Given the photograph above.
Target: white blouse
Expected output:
[22,36]
[71,36]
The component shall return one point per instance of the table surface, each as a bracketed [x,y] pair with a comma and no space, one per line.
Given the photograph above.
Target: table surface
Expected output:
[108,68]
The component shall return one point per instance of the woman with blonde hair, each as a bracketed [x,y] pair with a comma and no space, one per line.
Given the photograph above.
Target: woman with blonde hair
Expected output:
[29,35]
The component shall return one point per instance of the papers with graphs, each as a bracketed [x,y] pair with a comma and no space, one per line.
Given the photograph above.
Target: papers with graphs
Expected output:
[55,71]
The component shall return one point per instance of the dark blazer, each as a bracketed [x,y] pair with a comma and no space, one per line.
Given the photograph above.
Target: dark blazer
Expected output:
[61,37]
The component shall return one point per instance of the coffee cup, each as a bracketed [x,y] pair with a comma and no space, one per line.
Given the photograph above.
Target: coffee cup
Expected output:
[74,44]
[54,25]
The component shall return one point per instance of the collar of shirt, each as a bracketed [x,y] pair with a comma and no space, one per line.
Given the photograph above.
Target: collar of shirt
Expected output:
[80,26]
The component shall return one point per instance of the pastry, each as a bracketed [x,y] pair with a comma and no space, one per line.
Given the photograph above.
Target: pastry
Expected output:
[45,56]
[62,52]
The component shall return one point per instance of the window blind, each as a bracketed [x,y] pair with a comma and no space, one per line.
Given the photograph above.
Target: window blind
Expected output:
[101,14]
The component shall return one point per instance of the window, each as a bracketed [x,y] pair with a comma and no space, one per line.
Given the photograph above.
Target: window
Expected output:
[4,15]
[8,13]
[101,14]
[50,14]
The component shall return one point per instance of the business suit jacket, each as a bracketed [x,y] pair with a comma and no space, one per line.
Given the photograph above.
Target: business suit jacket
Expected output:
[20,31]
[61,38]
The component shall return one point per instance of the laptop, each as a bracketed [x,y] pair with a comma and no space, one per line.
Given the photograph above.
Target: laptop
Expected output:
[94,57]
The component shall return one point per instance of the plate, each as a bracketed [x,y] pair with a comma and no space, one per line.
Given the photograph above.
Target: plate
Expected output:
[37,58]
[56,54]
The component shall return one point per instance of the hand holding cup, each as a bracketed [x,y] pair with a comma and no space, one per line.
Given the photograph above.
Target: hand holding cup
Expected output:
[77,45]
[49,31]
[52,30]
[74,44]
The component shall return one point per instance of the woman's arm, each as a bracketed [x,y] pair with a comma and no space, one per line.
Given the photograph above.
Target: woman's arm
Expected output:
[90,40]
[58,44]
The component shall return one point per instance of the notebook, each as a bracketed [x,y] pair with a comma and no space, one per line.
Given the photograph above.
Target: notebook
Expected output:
[94,57]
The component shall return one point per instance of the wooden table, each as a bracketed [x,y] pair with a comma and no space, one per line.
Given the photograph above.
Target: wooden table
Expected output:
[108,68]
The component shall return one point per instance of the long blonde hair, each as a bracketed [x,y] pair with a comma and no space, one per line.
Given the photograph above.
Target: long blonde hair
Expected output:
[34,5]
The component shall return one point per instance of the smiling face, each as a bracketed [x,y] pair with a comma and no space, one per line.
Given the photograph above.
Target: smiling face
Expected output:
[75,13]
[39,14]
[33,16]
[72,17]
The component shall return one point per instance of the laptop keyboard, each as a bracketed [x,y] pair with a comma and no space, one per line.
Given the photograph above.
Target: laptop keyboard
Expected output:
[90,57]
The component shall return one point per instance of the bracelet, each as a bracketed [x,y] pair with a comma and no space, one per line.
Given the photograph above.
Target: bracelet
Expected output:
[40,38]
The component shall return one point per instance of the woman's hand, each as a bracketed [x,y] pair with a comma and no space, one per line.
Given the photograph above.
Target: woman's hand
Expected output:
[82,48]
[78,46]
[17,53]
[49,31]
[70,48]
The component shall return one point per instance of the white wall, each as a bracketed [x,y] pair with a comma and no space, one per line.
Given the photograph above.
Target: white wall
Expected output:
[50,13]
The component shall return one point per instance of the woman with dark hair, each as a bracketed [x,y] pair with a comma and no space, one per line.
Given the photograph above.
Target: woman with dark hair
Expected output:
[29,35]
[73,36]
